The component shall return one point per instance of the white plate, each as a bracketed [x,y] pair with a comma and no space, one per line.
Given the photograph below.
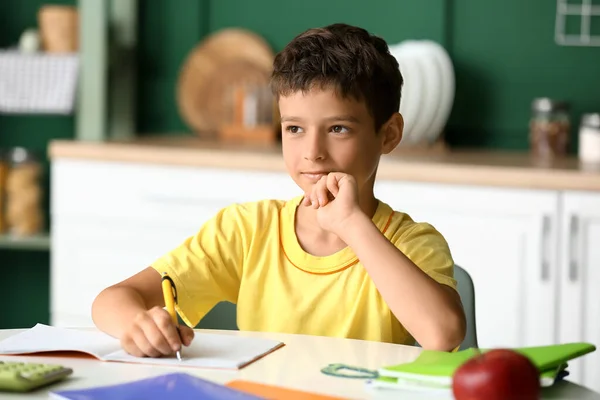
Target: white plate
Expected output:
[410,103]
[431,89]
[447,91]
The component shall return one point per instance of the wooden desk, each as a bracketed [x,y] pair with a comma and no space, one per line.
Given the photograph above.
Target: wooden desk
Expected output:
[296,365]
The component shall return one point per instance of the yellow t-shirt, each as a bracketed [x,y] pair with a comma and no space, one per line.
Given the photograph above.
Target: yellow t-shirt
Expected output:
[248,254]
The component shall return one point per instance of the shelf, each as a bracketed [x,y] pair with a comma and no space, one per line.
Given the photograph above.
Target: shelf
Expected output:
[38,242]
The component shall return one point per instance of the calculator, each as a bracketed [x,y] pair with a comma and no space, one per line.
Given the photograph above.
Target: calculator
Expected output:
[26,376]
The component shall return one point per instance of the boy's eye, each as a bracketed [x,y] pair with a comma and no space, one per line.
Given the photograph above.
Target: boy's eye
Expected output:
[293,129]
[339,129]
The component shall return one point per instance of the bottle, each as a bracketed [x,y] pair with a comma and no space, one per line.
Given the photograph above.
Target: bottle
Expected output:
[589,138]
[24,214]
[549,128]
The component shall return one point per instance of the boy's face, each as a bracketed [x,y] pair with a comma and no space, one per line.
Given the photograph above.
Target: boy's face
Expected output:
[323,133]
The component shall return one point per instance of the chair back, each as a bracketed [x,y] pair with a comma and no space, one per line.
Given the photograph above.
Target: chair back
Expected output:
[466,290]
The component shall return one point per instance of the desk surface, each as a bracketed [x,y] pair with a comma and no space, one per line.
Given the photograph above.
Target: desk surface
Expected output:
[297,365]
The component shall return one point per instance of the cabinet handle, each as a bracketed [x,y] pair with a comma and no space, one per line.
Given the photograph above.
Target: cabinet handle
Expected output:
[573,238]
[545,241]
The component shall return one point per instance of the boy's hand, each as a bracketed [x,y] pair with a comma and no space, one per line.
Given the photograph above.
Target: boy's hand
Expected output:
[153,334]
[335,197]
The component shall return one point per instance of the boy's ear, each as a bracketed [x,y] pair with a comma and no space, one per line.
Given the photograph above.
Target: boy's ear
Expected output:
[392,133]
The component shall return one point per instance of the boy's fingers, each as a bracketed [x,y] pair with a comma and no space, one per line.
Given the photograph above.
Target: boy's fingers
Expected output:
[332,184]
[313,198]
[142,343]
[319,193]
[323,195]
[169,331]
[187,334]
[155,334]
[130,347]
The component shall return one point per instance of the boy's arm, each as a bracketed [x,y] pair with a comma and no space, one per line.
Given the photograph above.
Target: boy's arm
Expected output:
[205,268]
[430,311]
[116,306]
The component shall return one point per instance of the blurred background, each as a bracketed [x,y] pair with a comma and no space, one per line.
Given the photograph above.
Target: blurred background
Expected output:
[512,76]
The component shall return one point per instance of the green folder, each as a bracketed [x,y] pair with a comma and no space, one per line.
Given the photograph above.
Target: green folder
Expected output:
[435,368]
[547,378]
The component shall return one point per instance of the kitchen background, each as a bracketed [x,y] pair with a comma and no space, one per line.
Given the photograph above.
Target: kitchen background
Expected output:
[504,55]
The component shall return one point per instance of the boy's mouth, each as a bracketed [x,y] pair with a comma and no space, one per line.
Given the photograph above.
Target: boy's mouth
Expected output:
[314,176]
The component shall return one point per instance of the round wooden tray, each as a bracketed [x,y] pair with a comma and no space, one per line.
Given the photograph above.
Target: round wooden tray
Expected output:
[227,57]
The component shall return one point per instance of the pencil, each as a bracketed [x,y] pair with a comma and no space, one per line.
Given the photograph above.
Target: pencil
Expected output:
[168,288]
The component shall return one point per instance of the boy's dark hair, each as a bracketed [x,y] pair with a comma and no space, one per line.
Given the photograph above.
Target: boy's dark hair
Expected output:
[343,57]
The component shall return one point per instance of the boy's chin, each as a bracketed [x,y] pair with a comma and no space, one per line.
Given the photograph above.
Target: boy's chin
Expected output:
[304,187]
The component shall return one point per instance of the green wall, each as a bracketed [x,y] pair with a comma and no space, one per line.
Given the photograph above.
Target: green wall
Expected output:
[26,292]
[504,55]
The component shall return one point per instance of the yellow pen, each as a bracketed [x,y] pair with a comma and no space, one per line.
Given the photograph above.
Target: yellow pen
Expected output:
[170,295]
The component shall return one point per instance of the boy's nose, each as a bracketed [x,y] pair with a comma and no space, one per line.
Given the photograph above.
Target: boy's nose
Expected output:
[315,148]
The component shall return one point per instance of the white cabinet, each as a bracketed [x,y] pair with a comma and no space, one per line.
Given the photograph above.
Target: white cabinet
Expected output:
[505,239]
[579,318]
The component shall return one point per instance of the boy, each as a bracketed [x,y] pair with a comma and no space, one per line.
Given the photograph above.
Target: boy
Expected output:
[335,261]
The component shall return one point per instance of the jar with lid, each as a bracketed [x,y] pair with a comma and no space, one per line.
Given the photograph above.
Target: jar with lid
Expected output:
[589,138]
[549,127]
[24,213]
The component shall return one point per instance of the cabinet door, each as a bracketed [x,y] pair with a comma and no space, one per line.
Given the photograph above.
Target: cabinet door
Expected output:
[505,239]
[579,318]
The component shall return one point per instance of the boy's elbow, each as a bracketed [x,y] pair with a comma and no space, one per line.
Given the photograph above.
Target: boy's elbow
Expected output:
[106,303]
[98,306]
[448,335]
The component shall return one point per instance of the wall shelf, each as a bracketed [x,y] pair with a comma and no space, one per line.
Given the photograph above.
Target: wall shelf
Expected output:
[38,242]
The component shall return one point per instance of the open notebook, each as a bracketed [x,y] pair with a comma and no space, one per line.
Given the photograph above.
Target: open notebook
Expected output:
[206,351]
[433,370]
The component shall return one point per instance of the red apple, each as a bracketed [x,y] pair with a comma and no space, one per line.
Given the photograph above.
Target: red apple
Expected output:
[498,374]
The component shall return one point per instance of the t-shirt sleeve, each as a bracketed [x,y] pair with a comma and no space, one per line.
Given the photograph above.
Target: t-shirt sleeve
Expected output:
[428,249]
[207,267]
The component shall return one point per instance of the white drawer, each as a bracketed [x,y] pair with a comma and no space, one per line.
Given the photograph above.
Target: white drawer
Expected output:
[134,191]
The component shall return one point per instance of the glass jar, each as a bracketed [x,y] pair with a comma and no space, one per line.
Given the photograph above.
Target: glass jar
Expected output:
[589,138]
[24,213]
[549,127]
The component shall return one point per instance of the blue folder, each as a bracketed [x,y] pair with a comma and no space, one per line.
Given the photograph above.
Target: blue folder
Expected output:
[179,386]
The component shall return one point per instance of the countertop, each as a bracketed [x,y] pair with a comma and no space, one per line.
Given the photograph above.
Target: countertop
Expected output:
[463,167]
